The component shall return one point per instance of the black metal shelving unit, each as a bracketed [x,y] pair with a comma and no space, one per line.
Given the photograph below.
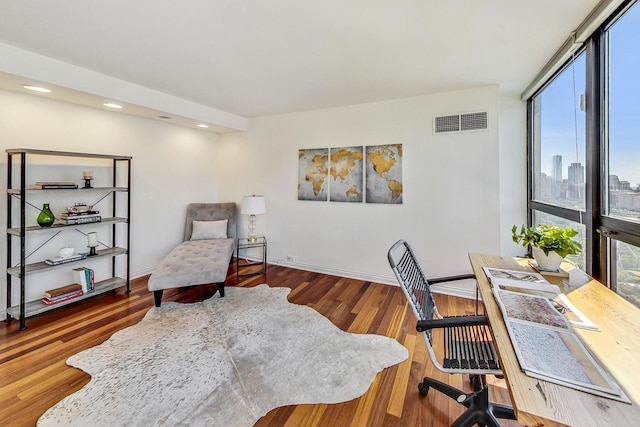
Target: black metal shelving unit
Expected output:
[18,157]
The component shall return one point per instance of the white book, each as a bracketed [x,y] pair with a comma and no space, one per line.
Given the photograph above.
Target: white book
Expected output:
[81,277]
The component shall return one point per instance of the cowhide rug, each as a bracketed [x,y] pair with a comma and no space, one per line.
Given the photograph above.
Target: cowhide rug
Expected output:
[221,362]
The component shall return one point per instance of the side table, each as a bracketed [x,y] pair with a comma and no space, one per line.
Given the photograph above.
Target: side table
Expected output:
[245,244]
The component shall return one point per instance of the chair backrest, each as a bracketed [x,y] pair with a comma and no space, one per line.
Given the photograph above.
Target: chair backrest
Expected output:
[413,281]
[211,212]
[466,346]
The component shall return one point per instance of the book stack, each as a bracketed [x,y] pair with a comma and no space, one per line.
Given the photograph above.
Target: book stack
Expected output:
[63,260]
[86,277]
[63,293]
[86,217]
[54,185]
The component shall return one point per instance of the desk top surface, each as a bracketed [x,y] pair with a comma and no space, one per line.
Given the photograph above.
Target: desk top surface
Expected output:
[616,346]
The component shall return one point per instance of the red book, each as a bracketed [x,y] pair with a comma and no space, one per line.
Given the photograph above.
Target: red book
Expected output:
[49,301]
[63,290]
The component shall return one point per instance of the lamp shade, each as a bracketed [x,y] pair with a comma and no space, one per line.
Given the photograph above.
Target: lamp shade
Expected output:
[253,205]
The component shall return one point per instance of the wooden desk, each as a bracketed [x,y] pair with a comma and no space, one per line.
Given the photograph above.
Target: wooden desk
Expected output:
[616,346]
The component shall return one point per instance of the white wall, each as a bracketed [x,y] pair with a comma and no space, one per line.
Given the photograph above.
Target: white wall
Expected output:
[462,192]
[171,167]
[452,194]
[513,170]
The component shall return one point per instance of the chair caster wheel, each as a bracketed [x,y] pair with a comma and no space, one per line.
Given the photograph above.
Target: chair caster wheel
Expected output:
[423,389]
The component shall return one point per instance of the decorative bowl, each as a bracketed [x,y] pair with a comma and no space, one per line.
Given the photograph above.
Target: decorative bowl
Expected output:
[66,252]
[79,208]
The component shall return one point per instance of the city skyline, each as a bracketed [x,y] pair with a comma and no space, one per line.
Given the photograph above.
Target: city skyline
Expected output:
[563,117]
[576,169]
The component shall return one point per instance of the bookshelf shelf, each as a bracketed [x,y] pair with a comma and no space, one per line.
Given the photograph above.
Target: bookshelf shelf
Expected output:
[18,161]
[41,267]
[36,307]
[37,229]
[17,191]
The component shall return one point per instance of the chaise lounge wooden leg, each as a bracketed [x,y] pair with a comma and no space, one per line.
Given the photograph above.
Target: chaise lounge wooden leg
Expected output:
[157,297]
[221,288]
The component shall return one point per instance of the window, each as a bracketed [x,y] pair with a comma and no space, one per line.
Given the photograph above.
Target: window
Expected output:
[623,92]
[584,157]
[559,145]
[625,278]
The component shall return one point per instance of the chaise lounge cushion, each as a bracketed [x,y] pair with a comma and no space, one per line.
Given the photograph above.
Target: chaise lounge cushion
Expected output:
[193,263]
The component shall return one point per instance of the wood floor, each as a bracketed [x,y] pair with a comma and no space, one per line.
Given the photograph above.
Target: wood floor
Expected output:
[34,375]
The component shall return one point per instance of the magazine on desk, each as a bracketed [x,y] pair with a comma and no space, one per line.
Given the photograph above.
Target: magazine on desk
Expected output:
[531,283]
[548,348]
[526,280]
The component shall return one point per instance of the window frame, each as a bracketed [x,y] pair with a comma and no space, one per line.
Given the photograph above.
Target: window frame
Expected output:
[601,230]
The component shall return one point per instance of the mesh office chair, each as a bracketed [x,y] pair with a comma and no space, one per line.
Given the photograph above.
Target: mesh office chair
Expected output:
[466,347]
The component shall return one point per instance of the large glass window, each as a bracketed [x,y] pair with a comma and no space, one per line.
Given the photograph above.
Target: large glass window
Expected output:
[584,148]
[625,279]
[559,139]
[624,118]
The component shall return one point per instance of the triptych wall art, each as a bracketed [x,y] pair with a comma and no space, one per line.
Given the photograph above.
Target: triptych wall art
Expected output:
[351,174]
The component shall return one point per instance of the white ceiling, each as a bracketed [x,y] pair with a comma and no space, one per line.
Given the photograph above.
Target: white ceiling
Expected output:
[255,57]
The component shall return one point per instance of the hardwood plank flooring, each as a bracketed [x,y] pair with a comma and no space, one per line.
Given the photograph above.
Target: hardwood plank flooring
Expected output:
[34,375]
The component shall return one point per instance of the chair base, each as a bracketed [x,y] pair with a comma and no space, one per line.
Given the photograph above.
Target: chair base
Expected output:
[479,410]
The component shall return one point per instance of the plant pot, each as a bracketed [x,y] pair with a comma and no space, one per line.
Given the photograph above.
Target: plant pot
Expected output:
[549,262]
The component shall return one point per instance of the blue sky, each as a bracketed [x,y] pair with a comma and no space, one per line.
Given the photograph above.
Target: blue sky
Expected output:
[561,114]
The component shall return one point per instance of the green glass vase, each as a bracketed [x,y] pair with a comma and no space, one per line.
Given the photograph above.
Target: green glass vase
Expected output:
[45,218]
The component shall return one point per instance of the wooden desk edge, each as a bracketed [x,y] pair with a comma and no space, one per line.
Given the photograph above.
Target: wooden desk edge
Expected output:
[539,402]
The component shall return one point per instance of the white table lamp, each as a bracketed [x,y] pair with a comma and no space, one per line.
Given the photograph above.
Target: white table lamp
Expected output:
[252,206]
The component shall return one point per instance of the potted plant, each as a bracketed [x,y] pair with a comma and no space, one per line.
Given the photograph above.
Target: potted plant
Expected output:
[549,244]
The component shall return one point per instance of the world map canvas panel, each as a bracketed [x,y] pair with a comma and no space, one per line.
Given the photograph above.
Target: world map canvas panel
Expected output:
[313,164]
[346,174]
[384,173]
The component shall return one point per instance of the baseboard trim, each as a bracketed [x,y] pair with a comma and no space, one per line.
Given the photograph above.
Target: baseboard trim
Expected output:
[143,272]
[462,289]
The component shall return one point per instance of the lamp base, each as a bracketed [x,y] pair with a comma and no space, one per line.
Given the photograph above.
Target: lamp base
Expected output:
[251,238]
[87,183]
[92,251]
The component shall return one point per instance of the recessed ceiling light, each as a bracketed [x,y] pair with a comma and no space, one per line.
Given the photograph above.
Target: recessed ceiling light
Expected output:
[164,117]
[112,105]
[37,88]
[202,125]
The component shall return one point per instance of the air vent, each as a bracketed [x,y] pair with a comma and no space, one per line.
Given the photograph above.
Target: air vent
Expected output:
[460,123]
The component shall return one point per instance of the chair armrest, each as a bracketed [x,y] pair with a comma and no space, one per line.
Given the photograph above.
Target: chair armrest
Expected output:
[448,322]
[452,278]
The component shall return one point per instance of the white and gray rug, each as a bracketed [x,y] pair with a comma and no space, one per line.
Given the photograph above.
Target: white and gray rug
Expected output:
[221,362]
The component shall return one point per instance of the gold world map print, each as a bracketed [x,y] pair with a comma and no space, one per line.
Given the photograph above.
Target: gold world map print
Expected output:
[313,168]
[384,173]
[345,174]
[339,174]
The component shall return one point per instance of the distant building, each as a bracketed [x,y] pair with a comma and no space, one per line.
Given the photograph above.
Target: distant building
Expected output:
[576,181]
[614,182]
[556,174]
[625,200]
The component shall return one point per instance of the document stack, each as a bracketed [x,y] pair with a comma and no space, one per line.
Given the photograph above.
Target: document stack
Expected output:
[73,218]
[55,185]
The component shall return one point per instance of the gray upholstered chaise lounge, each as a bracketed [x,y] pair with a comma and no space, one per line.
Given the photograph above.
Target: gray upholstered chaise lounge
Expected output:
[205,254]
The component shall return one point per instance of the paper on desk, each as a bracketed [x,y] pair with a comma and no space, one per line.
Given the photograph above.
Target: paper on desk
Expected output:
[527,280]
[575,316]
[548,349]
